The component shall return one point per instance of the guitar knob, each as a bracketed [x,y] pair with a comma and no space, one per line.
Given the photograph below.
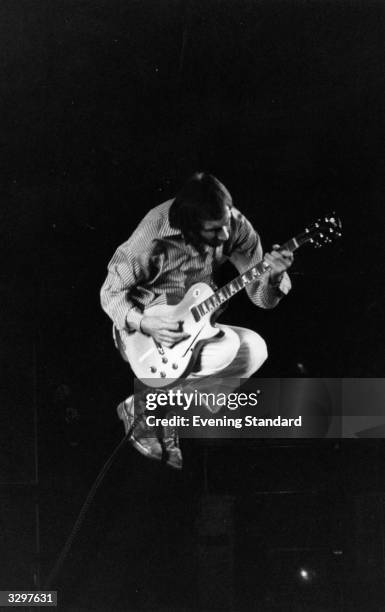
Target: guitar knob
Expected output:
[163,374]
[164,359]
[153,369]
[174,366]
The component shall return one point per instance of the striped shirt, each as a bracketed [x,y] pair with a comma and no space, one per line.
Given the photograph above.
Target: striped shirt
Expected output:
[156,266]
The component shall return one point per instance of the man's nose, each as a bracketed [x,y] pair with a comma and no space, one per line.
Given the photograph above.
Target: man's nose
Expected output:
[224,233]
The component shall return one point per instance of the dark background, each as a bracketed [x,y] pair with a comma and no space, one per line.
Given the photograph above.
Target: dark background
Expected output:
[106,107]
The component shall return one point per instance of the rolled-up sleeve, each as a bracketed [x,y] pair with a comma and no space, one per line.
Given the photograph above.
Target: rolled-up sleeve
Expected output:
[246,251]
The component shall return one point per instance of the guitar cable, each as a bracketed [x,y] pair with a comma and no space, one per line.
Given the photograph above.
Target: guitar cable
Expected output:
[86,505]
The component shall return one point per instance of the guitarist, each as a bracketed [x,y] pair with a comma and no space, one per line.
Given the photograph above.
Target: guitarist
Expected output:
[177,244]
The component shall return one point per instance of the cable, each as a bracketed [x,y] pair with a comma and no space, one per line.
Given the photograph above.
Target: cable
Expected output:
[84,509]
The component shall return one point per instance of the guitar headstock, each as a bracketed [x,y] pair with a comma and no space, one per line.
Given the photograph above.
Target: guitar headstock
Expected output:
[323,231]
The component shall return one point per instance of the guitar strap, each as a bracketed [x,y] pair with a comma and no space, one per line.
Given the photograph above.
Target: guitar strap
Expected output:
[217,282]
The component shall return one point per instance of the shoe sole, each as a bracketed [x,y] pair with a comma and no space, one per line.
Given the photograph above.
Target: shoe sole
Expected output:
[128,420]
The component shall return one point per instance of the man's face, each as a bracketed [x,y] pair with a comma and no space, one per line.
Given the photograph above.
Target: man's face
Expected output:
[216,232]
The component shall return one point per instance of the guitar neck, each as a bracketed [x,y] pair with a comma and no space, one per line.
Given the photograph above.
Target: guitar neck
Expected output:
[212,303]
[321,232]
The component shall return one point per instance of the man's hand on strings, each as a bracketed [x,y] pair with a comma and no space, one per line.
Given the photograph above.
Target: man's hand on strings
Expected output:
[164,330]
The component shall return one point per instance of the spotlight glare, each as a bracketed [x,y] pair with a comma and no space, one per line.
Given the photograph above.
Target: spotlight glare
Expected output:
[305,574]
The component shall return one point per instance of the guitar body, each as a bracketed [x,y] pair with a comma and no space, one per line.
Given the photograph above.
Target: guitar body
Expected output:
[158,364]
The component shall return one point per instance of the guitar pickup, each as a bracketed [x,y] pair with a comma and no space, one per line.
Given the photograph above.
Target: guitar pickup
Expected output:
[195,313]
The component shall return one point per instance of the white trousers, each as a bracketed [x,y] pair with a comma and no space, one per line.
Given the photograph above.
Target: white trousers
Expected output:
[238,353]
[224,362]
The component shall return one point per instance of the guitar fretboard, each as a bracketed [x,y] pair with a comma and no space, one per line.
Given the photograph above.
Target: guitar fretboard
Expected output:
[222,295]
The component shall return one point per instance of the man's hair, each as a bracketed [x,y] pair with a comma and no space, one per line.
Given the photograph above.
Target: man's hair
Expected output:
[202,198]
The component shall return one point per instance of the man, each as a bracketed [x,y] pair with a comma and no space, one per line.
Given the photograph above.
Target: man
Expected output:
[177,244]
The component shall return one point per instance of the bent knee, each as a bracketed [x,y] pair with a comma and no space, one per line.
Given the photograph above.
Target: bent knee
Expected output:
[218,354]
[256,349]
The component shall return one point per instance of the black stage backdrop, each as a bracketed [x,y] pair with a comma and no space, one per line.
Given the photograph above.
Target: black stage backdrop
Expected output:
[106,107]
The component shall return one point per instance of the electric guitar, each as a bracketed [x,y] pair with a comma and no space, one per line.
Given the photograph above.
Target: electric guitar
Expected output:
[159,365]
